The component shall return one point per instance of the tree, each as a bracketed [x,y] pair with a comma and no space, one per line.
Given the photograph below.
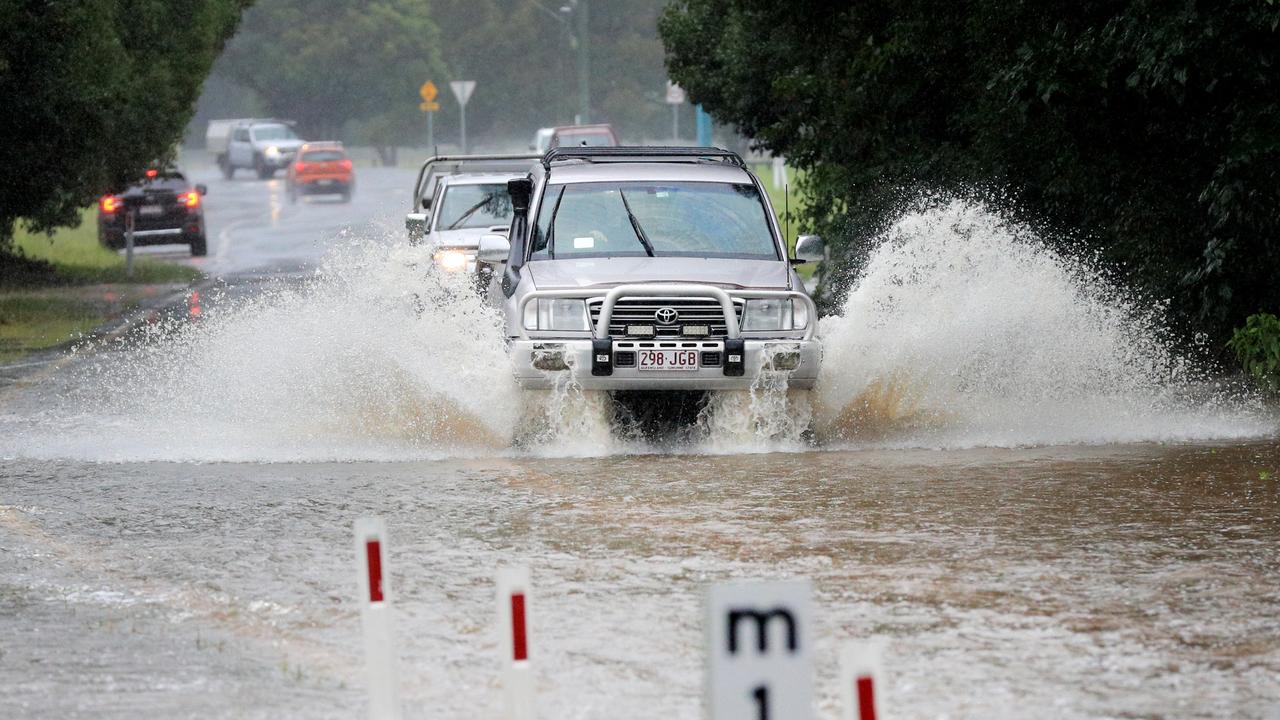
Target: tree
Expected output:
[346,61]
[1149,129]
[94,91]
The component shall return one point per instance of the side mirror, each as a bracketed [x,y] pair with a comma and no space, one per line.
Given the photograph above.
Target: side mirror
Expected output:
[494,249]
[202,189]
[416,224]
[811,248]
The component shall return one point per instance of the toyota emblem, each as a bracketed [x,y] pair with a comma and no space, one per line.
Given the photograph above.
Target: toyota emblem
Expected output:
[666,316]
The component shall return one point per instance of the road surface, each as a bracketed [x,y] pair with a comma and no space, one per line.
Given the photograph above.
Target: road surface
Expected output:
[176,513]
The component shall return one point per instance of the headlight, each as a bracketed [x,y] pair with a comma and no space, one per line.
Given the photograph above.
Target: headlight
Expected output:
[766,314]
[272,152]
[451,260]
[563,314]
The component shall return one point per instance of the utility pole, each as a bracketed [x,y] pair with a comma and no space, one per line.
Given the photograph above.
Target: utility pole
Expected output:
[584,60]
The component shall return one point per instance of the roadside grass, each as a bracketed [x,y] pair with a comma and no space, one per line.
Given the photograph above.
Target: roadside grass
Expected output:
[63,286]
[79,259]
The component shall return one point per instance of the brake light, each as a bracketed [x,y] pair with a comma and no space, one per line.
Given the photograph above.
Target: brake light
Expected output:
[152,172]
[191,199]
[109,204]
[345,165]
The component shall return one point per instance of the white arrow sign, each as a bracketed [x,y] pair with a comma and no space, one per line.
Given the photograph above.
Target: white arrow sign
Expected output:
[759,652]
[462,90]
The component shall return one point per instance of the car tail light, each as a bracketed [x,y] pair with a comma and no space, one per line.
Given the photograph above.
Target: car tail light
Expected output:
[345,165]
[109,204]
[190,198]
[152,172]
[299,167]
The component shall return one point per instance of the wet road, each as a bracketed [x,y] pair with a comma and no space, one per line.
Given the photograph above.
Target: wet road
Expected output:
[186,551]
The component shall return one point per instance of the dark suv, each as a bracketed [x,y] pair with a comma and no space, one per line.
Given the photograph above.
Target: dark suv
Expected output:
[166,210]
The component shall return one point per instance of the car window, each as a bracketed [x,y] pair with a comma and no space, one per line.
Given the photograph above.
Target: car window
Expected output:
[323,155]
[273,132]
[242,135]
[474,206]
[683,219]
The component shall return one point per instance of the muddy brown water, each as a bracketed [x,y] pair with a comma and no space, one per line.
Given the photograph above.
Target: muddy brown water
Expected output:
[1112,581]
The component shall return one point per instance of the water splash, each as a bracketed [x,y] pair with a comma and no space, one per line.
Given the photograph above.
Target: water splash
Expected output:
[964,329]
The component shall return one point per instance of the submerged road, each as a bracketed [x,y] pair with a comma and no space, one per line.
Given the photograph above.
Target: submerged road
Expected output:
[175,520]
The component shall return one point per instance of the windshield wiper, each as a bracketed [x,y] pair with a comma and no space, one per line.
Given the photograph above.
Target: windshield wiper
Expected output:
[470,211]
[551,226]
[635,225]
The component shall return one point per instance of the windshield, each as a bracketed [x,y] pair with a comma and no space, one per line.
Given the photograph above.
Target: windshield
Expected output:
[323,155]
[474,206]
[273,132]
[689,219]
[585,139]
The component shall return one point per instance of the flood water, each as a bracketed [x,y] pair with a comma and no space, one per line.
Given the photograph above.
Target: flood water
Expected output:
[1007,472]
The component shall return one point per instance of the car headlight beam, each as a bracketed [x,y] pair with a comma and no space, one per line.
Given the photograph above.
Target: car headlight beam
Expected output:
[451,260]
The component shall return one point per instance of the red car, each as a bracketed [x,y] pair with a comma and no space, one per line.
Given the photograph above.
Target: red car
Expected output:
[321,168]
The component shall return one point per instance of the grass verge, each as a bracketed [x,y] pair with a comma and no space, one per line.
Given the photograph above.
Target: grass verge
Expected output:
[62,286]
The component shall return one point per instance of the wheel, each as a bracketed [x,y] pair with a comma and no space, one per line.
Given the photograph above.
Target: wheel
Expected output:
[224,164]
[264,171]
[199,246]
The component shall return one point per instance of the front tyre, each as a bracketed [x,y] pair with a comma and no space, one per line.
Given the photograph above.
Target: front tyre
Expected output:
[265,172]
[199,246]
[224,164]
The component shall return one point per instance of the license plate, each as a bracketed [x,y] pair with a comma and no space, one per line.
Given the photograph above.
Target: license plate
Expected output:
[667,360]
[151,210]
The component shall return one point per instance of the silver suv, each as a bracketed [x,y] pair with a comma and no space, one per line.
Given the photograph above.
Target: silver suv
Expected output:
[650,268]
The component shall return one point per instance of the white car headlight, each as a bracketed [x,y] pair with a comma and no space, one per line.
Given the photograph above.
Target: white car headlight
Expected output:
[762,314]
[451,260]
[562,314]
[272,152]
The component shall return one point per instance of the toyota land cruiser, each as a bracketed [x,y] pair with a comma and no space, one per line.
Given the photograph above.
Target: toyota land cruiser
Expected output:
[650,268]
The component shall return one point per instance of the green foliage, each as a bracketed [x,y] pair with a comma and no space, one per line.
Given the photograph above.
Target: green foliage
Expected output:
[354,68]
[328,64]
[95,90]
[1150,130]
[1257,347]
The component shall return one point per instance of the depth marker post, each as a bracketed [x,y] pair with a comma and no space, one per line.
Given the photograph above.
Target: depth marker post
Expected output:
[862,681]
[513,626]
[375,616]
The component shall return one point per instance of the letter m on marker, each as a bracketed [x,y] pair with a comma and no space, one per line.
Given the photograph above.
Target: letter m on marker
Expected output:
[761,620]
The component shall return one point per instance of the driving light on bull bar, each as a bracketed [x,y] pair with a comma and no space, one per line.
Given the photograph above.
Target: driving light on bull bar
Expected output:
[451,260]
[563,314]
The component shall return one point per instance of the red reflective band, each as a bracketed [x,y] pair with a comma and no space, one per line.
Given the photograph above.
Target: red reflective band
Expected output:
[866,699]
[373,549]
[520,647]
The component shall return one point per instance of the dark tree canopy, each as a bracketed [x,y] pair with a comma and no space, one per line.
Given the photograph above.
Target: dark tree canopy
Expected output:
[94,91]
[1149,129]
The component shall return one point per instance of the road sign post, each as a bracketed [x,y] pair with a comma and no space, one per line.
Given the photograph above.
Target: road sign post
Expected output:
[130,220]
[428,91]
[675,98]
[513,624]
[462,90]
[759,651]
[375,617]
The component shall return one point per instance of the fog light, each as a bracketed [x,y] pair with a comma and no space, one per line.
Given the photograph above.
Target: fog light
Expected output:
[784,360]
[549,357]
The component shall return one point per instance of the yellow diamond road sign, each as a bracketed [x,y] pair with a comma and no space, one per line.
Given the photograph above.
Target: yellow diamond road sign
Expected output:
[428,92]
[429,106]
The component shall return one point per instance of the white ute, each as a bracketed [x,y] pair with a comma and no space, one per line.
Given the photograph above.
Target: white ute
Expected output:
[650,268]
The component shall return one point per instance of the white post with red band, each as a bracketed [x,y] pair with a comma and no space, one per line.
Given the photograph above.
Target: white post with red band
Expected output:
[513,624]
[862,681]
[375,616]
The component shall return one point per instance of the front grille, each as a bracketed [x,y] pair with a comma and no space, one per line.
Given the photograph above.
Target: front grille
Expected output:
[641,312]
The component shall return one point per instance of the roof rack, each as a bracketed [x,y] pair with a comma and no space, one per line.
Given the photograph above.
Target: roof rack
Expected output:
[477,160]
[654,153]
